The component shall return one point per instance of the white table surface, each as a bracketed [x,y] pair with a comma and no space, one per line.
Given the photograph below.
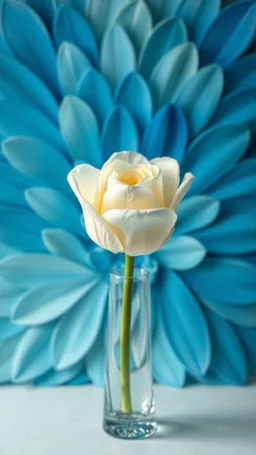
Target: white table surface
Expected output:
[197,420]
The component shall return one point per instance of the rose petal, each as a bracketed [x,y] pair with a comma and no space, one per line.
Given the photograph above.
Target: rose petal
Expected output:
[128,157]
[182,190]
[170,171]
[83,180]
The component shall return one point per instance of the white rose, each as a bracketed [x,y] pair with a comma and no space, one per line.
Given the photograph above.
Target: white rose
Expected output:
[130,204]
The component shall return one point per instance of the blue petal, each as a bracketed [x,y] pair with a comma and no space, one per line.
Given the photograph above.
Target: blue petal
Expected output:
[165,36]
[234,232]
[189,335]
[53,378]
[70,25]
[228,358]
[19,24]
[94,90]
[117,55]
[96,359]
[81,379]
[31,359]
[224,280]
[136,20]
[99,259]
[102,13]
[9,175]
[72,63]
[200,97]
[241,75]
[239,181]
[7,250]
[172,71]
[77,330]
[11,195]
[133,93]
[248,340]
[8,329]
[38,159]
[43,8]
[196,213]
[65,244]
[79,129]
[119,133]
[8,294]
[163,8]
[7,349]
[19,83]
[199,20]
[204,153]
[55,208]
[230,34]
[244,315]
[166,135]
[181,253]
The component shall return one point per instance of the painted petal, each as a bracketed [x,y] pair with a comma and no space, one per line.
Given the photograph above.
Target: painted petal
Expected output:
[244,315]
[72,63]
[70,25]
[182,190]
[19,23]
[248,340]
[239,181]
[53,378]
[7,349]
[165,36]
[196,213]
[117,55]
[119,133]
[172,71]
[235,278]
[204,153]
[37,159]
[133,93]
[235,26]
[25,270]
[166,134]
[199,19]
[189,336]
[137,228]
[241,75]
[47,302]
[8,330]
[136,20]
[31,359]
[8,294]
[94,90]
[96,359]
[85,178]
[54,208]
[228,358]
[181,253]
[171,177]
[234,232]
[79,129]
[19,83]
[102,13]
[64,244]
[77,330]
[207,84]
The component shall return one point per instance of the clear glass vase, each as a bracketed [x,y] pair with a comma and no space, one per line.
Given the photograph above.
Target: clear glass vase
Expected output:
[129,409]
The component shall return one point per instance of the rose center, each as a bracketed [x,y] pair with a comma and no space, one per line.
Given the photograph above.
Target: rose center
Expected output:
[134,175]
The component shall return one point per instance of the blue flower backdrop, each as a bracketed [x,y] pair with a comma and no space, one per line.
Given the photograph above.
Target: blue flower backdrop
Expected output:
[80,80]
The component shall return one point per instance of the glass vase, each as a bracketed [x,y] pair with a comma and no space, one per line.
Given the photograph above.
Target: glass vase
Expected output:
[129,409]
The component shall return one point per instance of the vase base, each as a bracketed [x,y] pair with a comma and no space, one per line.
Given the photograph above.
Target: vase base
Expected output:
[129,429]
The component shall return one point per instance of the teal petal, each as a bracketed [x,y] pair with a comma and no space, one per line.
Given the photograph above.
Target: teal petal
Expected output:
[248,339]
[81,379]
[241,315]
[65,244]
[198,19]
[12,196]
[7,350]
[72,63]
[96,359]
[196,213]
[54,378]
[102,13]
[241,75]
[163,8]
[181,253]
[8,294]
[8,330]
[11,176]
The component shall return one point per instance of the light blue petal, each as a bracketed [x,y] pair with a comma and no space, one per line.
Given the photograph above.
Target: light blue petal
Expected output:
[172,71]
[38,159]
[181,253]
[200,23]
[94,90]
[54,208]
[119,133]
[163,8]
[99,259]
[235,279]
[31,359]
[241,75]
[228,358]
[102,13]
[215,151]
[19,24]
[9,175]
[77,330]
[237,314]
[188,335]
[200,97]
[8,294]
[248,340]
[239,181]
[230,34]
[196,213]
[117,55]
[136,20]
[47,302]
[54,378]
[65,244]
[11,195]
[7,349]
[81,379]
[7,250]
[133,93]
[165,36]
[234,232]
[70,25]
[79,129]
[8,329]
[72,63]
[96,359]
[19,83]
[166,134]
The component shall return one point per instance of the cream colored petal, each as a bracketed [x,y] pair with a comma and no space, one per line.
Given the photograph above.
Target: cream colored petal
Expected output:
[155,184]
[141,231]
[170,171]
[83,180]
[128,157]
[108,169]
[182,190]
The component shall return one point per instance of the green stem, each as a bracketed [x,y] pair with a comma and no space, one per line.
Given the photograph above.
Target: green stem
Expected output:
[125,335]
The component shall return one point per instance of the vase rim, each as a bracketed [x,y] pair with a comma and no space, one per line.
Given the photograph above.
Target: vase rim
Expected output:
[137,273]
